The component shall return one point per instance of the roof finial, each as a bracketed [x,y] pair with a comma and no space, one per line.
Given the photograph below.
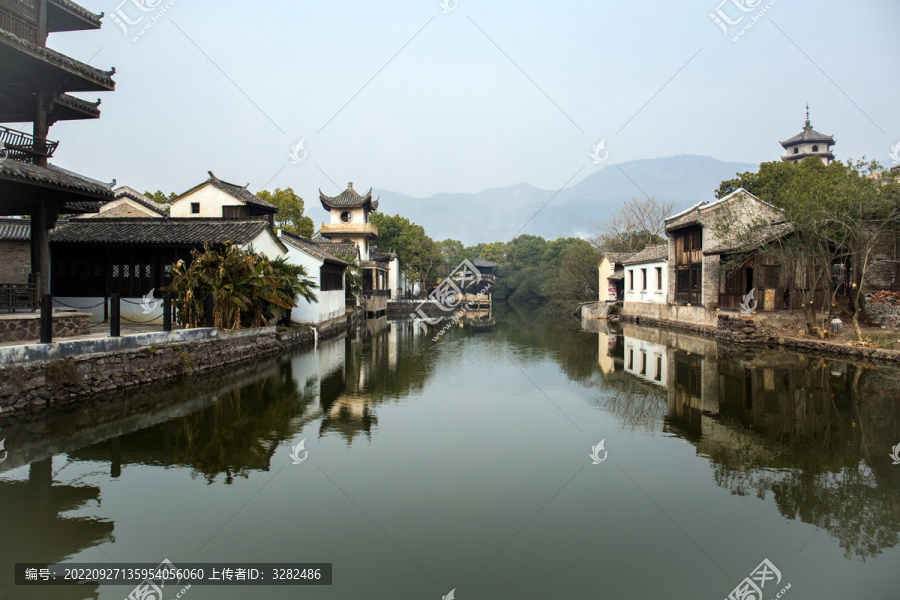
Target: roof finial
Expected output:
[349,185]
[807,115]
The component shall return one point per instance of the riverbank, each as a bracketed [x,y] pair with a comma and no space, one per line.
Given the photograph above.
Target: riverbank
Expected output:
[758,332]
[64,380]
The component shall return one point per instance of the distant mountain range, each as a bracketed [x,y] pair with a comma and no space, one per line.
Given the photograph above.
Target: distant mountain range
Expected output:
[499,213]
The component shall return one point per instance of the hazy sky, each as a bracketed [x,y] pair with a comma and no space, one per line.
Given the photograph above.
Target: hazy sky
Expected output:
[402,96]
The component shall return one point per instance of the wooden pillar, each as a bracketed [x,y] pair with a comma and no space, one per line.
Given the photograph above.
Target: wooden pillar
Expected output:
[40,246]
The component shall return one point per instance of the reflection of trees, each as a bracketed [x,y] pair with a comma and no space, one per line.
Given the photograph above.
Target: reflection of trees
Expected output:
[534,336]
[812,434]
[810,451]
[237,433]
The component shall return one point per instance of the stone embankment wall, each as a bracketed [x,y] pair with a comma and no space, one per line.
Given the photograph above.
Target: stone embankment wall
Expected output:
[737,329]
[67,379]
[25,327]
[883,308]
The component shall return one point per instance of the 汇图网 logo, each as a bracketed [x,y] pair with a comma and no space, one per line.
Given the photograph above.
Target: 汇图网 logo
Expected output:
[595,452]
[749,304]
[296,450]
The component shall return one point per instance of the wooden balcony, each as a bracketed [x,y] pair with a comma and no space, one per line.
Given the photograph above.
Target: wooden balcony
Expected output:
[338,229]
[24,147]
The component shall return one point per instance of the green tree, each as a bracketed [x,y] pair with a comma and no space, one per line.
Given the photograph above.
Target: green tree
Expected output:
[575,279]
[290,217]
[160,196]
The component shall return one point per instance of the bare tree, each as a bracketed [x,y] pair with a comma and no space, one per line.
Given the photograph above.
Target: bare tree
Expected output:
[638,223]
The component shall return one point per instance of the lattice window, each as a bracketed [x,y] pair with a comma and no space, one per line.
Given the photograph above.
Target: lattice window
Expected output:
[115,271]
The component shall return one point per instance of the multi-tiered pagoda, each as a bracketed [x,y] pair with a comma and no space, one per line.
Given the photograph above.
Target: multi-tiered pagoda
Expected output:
[35,82]
[350,224]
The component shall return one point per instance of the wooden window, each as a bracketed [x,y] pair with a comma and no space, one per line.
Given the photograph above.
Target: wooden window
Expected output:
[631,279]
[195,208]
[331,278]
[234,212]
[659,279]
[644,279]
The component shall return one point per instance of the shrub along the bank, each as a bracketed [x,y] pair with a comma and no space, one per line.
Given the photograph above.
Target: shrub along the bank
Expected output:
[249,290]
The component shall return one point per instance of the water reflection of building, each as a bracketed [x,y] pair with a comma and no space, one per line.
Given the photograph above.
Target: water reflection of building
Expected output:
[479,319]
[35,530]
[813,433]
[646,360]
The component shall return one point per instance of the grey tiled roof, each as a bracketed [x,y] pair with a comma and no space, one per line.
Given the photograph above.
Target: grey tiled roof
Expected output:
[237,191]
[102,79]
[349,198]
[373,255]
[653,253]
[81,11]
[15,230]
[759,237]
[133,194]
[181,232]
[85,106]
[13,169]
[340,249]
[310,247]
[808,135]
[483,262]
[618,257]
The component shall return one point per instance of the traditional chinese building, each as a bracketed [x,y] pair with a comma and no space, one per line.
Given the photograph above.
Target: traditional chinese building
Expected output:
[350,224]
[35,82]
[807,143]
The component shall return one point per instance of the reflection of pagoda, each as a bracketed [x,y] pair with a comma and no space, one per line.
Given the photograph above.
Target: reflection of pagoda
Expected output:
[35,531]
[34,86]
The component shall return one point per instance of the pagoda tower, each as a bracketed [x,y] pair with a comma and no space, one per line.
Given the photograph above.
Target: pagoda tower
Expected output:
[35,82]
[350,224]
[807,143]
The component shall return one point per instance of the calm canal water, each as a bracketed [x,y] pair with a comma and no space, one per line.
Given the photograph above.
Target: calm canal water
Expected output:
[465,464]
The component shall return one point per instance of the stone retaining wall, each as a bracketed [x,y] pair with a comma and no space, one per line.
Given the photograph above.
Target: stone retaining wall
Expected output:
[65,380]
[885,313]
[25,327]
[737,329]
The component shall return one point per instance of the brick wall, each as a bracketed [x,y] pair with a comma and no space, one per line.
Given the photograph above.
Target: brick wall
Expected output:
[15,261]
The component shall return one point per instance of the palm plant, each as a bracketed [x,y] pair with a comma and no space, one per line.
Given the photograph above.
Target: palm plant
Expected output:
[248,289]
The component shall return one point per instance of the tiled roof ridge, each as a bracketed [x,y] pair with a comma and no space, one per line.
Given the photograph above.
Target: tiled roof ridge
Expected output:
[99,76]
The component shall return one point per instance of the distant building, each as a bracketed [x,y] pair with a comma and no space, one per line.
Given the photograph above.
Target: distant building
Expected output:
[215,198]
[612,275]
[350,224]
[647,276]
[807,143]
[131,204]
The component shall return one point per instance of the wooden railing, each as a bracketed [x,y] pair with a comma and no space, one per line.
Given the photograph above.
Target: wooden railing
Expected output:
[15,296]
[24,147]
[386,293]
[351,228]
